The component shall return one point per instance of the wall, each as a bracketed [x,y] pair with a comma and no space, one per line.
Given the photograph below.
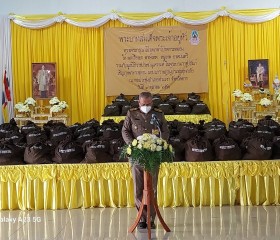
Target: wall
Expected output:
[106,6]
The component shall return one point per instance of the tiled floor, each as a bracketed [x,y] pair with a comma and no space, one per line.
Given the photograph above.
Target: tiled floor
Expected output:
[223,223]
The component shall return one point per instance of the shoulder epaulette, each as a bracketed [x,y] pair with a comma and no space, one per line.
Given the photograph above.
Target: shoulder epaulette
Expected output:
[157,110]
[133,109]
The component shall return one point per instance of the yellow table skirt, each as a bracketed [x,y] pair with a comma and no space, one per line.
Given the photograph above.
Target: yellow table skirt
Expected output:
[69,186]
[183,118]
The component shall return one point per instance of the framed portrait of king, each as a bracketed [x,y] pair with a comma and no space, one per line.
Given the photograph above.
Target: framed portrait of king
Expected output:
[258,73]
[43,80]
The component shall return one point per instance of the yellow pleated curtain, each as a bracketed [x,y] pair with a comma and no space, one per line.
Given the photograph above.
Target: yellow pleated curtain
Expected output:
[79,55]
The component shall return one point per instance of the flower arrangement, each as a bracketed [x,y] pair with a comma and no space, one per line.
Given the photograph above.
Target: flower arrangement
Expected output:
[237,93]
[54,101]
[265,102]
[57,105]
[246,97]
[21,107]
[30,101]
[149,151]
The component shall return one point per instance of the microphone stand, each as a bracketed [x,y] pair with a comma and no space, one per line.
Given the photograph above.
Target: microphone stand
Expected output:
[158,127]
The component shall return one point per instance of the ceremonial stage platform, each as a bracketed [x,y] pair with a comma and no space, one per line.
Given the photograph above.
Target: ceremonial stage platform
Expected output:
[68,186]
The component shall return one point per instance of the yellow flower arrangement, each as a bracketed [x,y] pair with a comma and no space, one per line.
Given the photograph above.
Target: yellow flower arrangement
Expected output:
[149,151]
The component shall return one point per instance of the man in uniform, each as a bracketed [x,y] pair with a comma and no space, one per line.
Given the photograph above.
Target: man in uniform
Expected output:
[137,122]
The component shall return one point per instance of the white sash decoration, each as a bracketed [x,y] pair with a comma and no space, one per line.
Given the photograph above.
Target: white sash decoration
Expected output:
[248,16]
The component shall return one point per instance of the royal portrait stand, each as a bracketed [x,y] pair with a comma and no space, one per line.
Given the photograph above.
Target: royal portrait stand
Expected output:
[148,200]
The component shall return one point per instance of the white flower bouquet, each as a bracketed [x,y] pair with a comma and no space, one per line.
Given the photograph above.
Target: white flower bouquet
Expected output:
[57,105]
[149,151]
[21,107]
[63,105]
[265,102]
[246,97]
[55,109]
[237,93]
[54,101]
[30,101]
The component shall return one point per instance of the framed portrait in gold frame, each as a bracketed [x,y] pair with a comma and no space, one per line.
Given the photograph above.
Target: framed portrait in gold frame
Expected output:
[258,73]
[43,80]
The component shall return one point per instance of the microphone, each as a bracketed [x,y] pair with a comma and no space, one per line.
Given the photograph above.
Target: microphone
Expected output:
[154,120]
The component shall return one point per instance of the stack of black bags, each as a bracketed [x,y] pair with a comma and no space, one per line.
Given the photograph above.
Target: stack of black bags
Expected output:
[169,105]
[212,141]
[89,142]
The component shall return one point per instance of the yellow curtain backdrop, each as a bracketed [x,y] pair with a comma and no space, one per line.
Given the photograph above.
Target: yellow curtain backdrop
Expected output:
[231,44]
[79,55]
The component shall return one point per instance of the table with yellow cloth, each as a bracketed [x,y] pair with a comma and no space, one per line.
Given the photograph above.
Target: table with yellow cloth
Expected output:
[69,186]
[195,118]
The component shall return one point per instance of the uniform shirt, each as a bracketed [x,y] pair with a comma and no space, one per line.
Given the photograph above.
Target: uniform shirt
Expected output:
[137,123]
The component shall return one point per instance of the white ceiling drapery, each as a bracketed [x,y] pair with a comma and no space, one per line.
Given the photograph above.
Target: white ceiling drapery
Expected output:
[247,16]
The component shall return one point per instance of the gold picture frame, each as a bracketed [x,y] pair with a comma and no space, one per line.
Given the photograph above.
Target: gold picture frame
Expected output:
[258,73]
[44,80]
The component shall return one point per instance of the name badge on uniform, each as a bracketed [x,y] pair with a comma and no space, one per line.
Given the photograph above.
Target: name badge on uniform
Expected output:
[155,132]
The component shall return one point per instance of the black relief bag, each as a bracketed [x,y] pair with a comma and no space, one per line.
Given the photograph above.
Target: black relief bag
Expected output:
[264,132]
[121,100]
[157,100]
[58,134]
[192,99]
[6,128]
[125,109]
[200,108]
[86,136]
[16,137]
[38,153]
[257,148]
[166,108]
[51,125]
[68,151]
[174,127]
[134,102]
[113,129]
[36,136]
[187,131]
[182,108]
[10,154]
[97,152]
[214,129]
[29,127]
[226,149]
[179,149]
[116,148]
[111,132]
[269,122]
[172,100]
[239,130]
[276,148]
[74,127]
[112,110]
[198,149]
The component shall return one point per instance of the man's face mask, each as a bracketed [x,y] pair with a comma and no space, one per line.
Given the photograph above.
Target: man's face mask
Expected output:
[145,109]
